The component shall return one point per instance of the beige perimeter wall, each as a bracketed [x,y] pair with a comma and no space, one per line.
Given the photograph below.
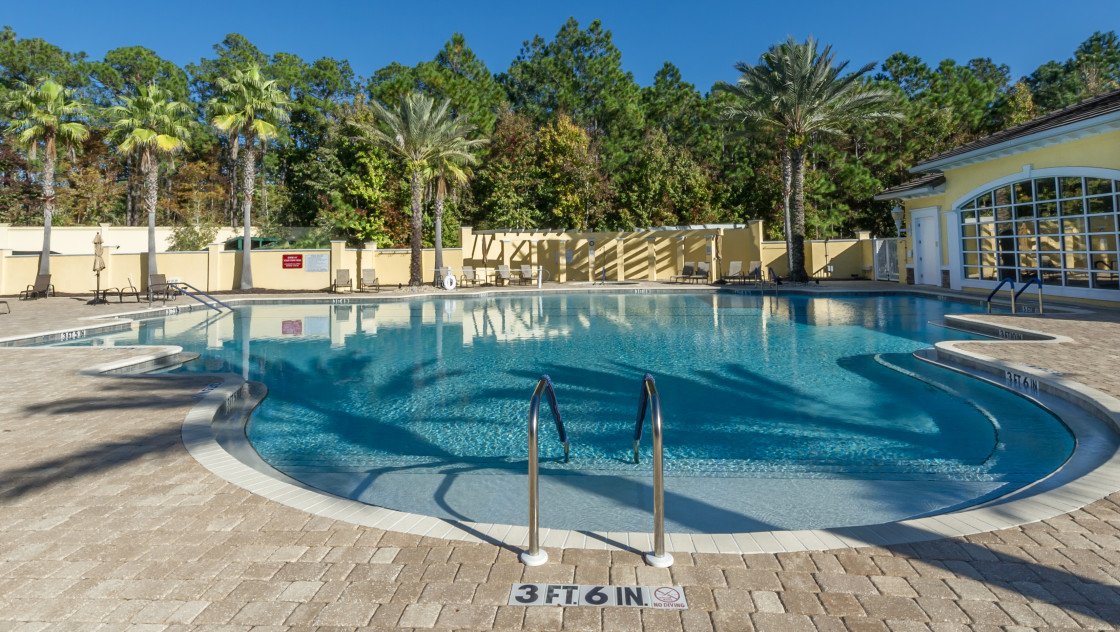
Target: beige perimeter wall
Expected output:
[566,257]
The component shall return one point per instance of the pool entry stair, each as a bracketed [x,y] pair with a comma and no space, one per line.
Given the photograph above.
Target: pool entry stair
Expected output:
[534,556]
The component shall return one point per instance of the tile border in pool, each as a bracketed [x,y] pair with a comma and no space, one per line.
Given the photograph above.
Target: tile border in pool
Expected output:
[1088,475]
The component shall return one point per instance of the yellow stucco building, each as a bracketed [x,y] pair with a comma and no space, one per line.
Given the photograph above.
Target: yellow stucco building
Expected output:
[1040,199]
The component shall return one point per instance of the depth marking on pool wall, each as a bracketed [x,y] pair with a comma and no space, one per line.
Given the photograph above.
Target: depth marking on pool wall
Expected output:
[666,597]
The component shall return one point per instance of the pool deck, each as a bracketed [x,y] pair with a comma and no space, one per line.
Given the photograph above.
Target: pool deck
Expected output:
[107,522]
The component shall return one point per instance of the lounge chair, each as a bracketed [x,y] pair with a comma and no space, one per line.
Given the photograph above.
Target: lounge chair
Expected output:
[159,288]
[734,272]
[342,279]
[701,275]
[502,276]
[754,272]
[527,275]
[685,275]
[41,287]
[7,308]
[369,280]
[468,276]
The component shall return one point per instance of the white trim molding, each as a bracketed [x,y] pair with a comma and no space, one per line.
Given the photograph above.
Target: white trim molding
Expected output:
[1046,138]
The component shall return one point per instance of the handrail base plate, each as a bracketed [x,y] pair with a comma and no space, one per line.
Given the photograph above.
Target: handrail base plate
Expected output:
[528,559]
[657,561]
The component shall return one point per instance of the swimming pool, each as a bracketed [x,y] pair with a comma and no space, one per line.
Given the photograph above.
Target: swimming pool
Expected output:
[781,412]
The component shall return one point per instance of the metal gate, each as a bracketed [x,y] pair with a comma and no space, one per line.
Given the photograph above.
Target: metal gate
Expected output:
[886,259]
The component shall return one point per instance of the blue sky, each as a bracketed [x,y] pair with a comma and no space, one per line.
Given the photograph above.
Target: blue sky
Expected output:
[703,38]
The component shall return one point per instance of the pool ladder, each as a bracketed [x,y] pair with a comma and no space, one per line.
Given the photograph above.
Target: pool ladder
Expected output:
[534,556]
[1014,294]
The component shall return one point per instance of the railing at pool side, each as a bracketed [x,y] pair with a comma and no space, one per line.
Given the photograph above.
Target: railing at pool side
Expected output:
[658,557]
[1006,281]
[1026,285]
[534,556]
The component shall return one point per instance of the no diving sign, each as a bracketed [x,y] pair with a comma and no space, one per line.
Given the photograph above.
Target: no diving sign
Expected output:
[671,597]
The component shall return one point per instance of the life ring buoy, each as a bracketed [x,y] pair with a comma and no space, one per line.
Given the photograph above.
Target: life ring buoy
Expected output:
[449,282]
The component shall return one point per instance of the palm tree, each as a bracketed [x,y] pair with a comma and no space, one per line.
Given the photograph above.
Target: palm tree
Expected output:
[444,173]
[251,107]
[150,123]
[799,94]
[423,135]
[45,114]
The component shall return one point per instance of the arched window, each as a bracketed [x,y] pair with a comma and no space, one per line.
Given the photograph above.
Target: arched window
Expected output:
[1061,229]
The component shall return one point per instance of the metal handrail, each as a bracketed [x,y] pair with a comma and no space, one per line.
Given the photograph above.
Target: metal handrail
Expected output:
[658,557]
[1001,284]
[176,284]
[1026,285]
[534,556]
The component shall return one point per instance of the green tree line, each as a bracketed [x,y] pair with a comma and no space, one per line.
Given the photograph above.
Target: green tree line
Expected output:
[574,141]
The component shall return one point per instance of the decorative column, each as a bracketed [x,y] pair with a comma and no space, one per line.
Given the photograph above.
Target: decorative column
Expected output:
[713,273]
[367,261]
[562,261]
[338,250]
[678,255]
[651,258]
[620,259]
[213,268]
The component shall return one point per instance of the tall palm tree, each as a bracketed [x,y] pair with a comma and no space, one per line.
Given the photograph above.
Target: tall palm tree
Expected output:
[444,174]
[150,123]
[45,113]
[800,94]
[251,107]
[422,134]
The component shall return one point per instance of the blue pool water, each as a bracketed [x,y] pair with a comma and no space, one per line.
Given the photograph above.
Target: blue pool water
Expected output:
[395,403]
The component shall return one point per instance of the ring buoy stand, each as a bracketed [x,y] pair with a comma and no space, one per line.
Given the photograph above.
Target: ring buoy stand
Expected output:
[449,282]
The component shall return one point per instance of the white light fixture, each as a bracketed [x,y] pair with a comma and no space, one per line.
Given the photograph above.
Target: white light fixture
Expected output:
[897,213]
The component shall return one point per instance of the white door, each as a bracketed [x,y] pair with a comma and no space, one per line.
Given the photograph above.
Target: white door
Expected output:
[927,252]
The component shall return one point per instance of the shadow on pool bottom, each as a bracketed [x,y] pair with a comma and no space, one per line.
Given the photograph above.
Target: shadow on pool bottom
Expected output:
[625,503]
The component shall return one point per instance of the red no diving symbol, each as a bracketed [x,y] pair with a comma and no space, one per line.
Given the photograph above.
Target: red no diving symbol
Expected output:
[666,595]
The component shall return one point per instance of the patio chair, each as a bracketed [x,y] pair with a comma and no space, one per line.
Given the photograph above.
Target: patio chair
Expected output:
[527,275]
[437,280]
[734,272]
[468,276]
[685,275]
[369,280]
[159,288]
[41,287]
[7,308]
[701,275]
[502,275]
[342,279]
[121,291]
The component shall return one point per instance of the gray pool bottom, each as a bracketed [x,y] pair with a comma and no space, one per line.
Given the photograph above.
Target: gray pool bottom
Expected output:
[581,502]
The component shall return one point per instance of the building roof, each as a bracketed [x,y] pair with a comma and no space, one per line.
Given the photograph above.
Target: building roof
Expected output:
[917,187]
[1046,125]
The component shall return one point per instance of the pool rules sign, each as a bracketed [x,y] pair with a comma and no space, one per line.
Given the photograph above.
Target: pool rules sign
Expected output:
[665,597]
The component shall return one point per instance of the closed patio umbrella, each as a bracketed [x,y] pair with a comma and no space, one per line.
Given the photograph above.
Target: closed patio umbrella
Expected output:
[98,266]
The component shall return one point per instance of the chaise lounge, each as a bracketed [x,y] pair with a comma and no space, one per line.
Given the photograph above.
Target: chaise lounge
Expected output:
[41,287]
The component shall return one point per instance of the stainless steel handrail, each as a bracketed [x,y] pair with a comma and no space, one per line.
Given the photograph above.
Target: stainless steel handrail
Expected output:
[198,291]
[1013,294]
[1026,285]
[174,285]
[658,557]
[534,556]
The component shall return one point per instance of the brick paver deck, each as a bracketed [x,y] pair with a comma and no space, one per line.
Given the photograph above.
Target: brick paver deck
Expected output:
[106,522]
